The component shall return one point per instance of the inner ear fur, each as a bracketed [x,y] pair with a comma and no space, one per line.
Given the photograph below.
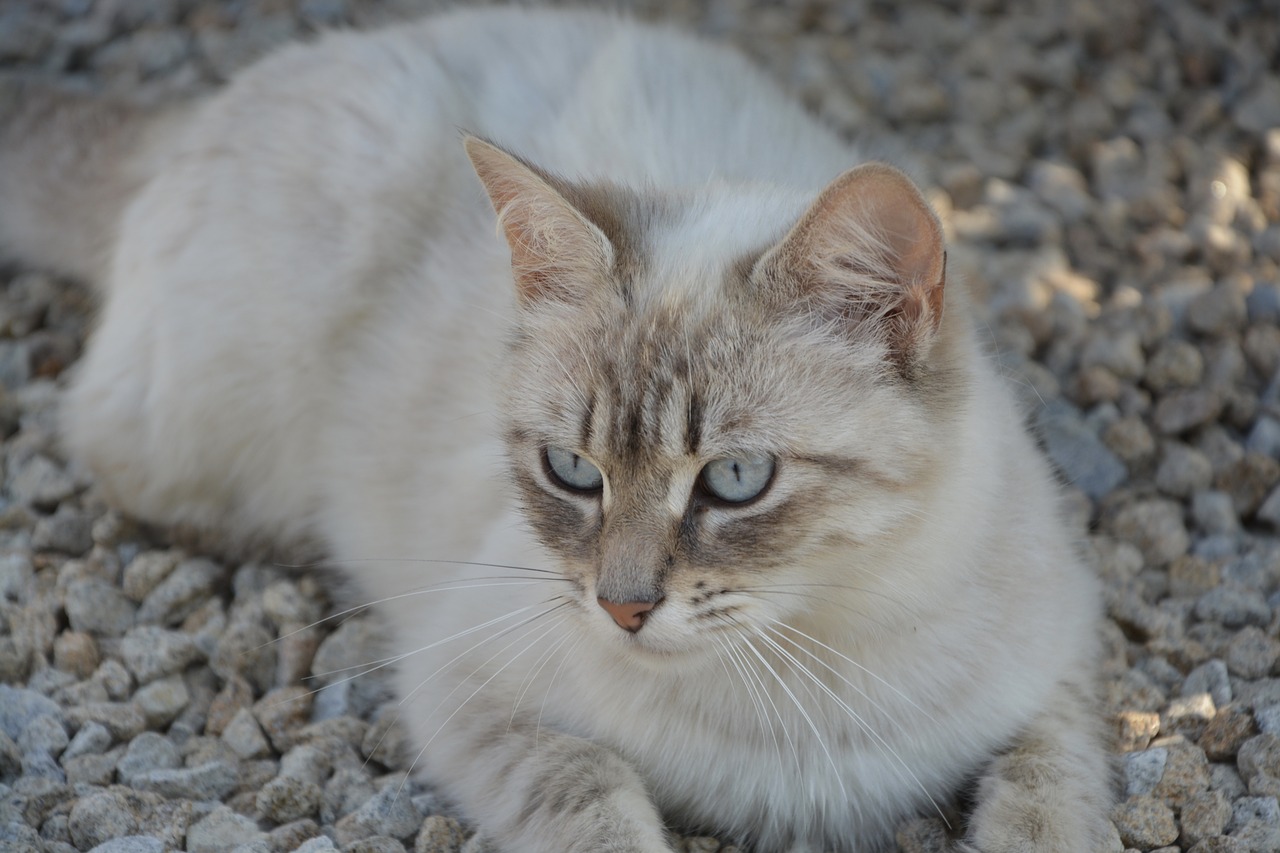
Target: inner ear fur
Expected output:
[556,252]
[868,254]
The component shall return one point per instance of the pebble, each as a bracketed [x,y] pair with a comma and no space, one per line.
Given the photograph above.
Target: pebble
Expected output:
[123,719]
[67,530]
[131,844]
[1175,364]
[145,572]
[40,482]
[92,739]
[1155,527]
[389,812]
[1226,732]
[222,830]
[1204,816]
[1142,770]
[163,700]
[440,834]
[20,707]
[148,751]
[181,592]
[1083,459]
[1233,607]
[286,799]
[245,737]
[77,653]
[1145,822]
[151,652]
[101,817]
[209,781]
[97,607]
[1252,653]
[1186,773]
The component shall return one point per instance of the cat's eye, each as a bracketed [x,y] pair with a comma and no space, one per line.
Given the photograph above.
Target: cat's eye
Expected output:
[572,471]
[739,479]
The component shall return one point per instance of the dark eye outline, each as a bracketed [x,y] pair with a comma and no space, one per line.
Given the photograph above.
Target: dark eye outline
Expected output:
[560,482]
[708,496]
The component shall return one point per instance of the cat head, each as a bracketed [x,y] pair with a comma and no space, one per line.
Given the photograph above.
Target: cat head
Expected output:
[721,405]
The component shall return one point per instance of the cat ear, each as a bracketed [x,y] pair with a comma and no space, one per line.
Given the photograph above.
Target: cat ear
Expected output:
[556,253]
[869,250]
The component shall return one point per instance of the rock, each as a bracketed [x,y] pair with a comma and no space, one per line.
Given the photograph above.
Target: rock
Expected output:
[1186,774]
[1252,653]
[245,737]
[286,799]
[375,844]
[221,831]
[1260,754]
[1233,607]
[1214,514]
[67,530]
[131,844]
[1142,770]
[389,812]
[1226,732]
[1248,481]
[19,707]
[152,652]
[148,751]
[123,719]
[92,739]
[163,700]
[40,482]
[1220,844]
[100,817]
[181,592]
[44,734]
[212,780]
[281,713]
[1218,311]
[291,836]
[234,695]
[76,653]
[1204,816]
[1269,512]
[306,763]
[1210,677]
[1145,823]
[316,845]
[145,572]
[245,648]
[1176,364]
[444,835]
[1180,411]
[97,607]
[1155,527]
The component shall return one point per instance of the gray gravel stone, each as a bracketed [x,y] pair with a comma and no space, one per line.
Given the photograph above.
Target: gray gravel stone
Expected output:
[1145,822]
[97,607]
[316,845]
[1085,462]
[245,737]
[212,780]
[286,799]
[148,751]
[1183,470]
[181,592]
[100,817]
[131,844]
[44,734]
[221,831]
[40,482]
[91,739]
[1142,770]
[19,707]
[1155,527]
[151,652]
[1233,607]
[163,700]
[123,719]
[390,812]
[145,572]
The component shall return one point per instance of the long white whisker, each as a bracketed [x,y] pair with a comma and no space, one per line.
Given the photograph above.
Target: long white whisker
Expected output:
[756,702]
[803,713]
[854,663]
[883,745]
[537,731]
[538,665]
[764,691]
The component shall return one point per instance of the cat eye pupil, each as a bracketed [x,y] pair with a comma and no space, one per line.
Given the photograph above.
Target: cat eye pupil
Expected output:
[737,480]
[571,471]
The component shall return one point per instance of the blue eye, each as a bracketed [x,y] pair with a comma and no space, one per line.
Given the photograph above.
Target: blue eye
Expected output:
[737,480]
[572,471]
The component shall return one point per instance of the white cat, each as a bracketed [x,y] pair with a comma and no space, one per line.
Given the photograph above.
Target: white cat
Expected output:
[717,519]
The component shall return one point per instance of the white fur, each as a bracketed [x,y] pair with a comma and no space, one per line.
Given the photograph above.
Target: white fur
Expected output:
[306,307]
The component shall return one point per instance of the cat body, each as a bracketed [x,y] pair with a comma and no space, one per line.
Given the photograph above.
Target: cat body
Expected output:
[310,331]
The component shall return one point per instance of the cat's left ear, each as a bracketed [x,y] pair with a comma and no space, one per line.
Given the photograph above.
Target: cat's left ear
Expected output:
[556,252]
[868,252]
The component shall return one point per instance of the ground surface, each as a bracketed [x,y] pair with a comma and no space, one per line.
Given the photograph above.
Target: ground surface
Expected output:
[1109,174]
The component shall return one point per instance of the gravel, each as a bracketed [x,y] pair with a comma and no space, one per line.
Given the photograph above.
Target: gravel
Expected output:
[1110,176]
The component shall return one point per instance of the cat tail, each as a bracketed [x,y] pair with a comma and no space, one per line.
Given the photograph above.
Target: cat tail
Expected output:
[69,164]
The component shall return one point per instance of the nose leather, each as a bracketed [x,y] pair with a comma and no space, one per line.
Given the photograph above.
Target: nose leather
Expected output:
[630,616]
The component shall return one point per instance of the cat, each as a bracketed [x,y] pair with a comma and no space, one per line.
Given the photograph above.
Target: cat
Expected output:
[689,497]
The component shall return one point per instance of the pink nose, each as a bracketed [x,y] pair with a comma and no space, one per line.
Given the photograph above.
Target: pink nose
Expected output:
[630,616]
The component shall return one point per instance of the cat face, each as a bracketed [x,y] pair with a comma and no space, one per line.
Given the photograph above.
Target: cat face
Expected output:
[710,446]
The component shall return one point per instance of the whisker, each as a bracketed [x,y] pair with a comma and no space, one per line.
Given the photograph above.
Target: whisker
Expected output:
[538,665]
[764,692]
[862,724]
[854,663]
[756,702]
[489,639]
[537,732]
[803,713]
[483,684]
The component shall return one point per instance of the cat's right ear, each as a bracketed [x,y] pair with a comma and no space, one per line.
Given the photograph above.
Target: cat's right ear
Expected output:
[868,255]
[556,252]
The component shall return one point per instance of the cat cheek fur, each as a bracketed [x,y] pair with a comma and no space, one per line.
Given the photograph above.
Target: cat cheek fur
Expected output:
[687,270]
